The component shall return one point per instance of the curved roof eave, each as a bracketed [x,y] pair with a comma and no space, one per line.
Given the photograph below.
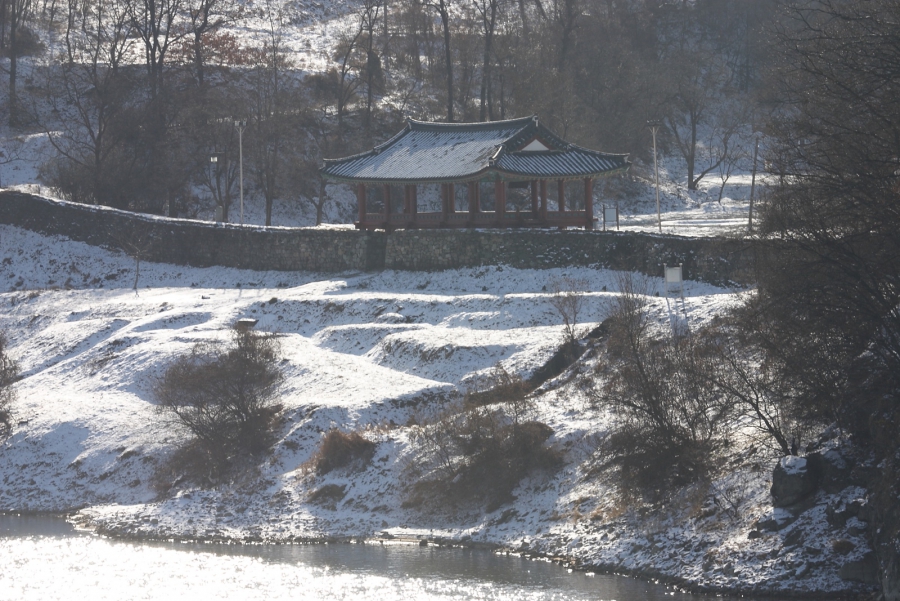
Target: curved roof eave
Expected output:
[478,176]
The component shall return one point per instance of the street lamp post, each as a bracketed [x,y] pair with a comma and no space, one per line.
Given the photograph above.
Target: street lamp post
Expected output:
[654,127]
[214,186]
[753,185]
[240,125]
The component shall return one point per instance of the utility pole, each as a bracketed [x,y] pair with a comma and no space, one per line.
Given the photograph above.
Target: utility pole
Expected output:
[654,127]
[240,125]
[753,184]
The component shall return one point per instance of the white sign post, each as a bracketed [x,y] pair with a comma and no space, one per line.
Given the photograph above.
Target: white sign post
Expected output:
[674,280]
[610,215]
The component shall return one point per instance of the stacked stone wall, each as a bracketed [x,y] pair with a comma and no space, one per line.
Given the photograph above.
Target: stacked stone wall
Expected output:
[202,244]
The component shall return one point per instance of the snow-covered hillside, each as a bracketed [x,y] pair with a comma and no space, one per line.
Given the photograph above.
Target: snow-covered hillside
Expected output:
[370,352]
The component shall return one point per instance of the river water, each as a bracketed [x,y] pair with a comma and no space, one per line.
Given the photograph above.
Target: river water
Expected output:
[46,558]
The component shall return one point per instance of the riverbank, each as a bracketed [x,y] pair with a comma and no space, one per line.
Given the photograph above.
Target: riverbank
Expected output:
[374,353]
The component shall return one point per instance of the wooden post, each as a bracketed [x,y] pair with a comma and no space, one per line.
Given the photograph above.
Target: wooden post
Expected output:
[408,192]
[534,199]
[500,198]
[544,200]
[588,203]
[414,199]
[361,204]
[451,198]
[444,203]
[386,193]
[561,195]
[473,197]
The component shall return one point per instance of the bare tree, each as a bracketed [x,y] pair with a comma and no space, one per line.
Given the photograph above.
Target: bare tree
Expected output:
[347,81]
[9,374]
[489,11]
[697,99]
[267,104]
[442,7]
[372,10]
[156,23]
[91,89]
[206,17]
[17,13]
[567,298]
[136,244]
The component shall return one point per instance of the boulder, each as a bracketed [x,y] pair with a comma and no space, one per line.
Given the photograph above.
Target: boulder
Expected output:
[793,480]
[863,570]
[838,512]
[832,469]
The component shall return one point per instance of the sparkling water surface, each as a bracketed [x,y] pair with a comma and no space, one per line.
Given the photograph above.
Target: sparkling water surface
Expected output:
[46,559]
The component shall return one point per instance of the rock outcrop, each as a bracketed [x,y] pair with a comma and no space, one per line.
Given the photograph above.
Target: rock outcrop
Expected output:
[792,481]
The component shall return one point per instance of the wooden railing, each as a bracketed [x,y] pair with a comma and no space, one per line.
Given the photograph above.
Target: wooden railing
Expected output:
[474,220]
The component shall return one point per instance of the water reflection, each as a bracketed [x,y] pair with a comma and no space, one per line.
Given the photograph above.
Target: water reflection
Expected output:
[44,558]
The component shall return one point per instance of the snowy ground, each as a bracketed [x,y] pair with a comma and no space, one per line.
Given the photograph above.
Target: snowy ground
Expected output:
[367,352]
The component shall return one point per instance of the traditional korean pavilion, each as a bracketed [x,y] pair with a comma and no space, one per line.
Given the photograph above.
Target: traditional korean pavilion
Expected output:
[490,168]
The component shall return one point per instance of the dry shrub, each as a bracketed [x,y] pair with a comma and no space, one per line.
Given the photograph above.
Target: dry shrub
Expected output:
[224,396]
[499,387]
[339,449]
[9,373]
[328,496]
[479,452]
[567,299]
[670,422]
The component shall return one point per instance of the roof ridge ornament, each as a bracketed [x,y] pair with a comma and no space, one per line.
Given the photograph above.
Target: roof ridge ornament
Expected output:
[496,154]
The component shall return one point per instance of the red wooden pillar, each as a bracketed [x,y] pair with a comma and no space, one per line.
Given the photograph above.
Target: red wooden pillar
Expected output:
[561,195]
[534,198]
[408,210]
[474,200]
[386,193]
[413,199]
[499,198]
[451,198]
[589,203]
[361,203]
[444,203]
[543,200]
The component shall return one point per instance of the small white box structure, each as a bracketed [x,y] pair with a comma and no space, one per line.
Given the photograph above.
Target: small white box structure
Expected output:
[245,323]
[610,215]
[674,280]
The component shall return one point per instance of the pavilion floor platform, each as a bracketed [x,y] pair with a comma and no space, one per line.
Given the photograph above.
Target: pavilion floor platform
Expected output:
[481,219]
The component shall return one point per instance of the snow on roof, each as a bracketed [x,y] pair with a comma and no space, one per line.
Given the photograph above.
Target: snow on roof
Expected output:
[442,152]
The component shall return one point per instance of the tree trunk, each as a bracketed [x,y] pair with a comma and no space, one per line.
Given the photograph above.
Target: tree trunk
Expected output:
[198,57]
[13,59]
[692,154]
[320,206]
[486,63]
[448,57]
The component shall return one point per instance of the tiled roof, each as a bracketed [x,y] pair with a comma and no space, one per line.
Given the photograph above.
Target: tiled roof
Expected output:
[442,152]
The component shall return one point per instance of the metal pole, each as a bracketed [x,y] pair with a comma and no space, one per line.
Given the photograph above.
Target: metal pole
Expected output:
[753,185]
[653,129]
[240,127]
[241,168]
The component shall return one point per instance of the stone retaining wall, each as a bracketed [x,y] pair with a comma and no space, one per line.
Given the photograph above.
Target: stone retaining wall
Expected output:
[202,244]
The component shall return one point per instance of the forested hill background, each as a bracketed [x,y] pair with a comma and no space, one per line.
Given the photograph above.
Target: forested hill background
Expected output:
[137,94]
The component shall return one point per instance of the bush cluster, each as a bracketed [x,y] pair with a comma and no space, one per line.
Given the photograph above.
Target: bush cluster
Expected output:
[340,449]
[480,450]
[224,396]
[9,373]
[677,397]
